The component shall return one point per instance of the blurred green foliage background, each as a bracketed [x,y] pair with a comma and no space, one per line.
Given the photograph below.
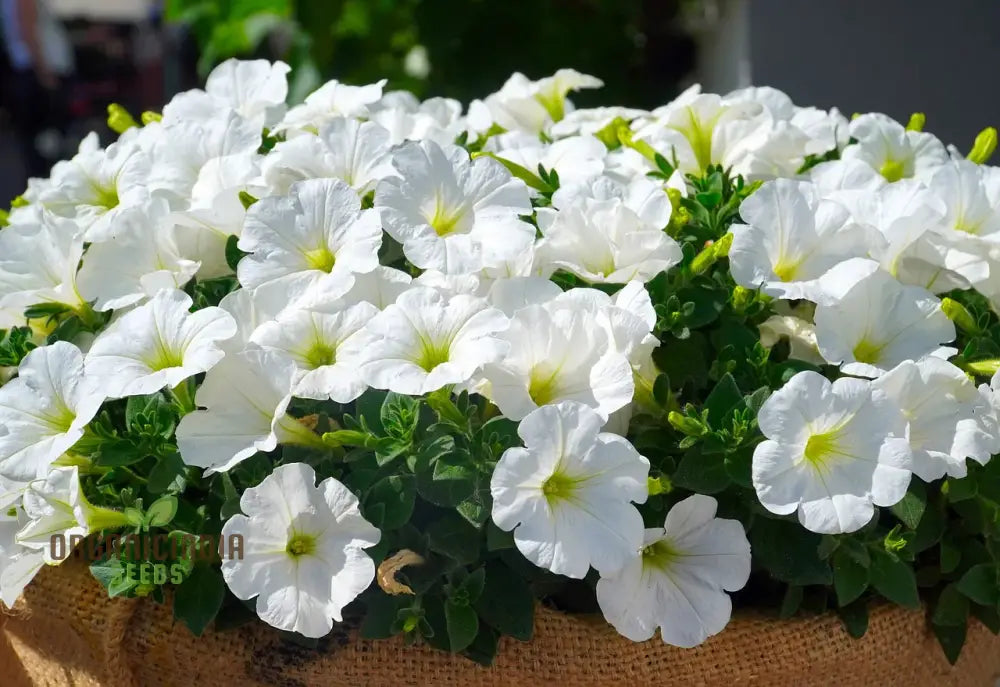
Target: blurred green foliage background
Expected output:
[458,48]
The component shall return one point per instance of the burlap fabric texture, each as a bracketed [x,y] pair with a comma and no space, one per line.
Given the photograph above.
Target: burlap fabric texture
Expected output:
[65,631]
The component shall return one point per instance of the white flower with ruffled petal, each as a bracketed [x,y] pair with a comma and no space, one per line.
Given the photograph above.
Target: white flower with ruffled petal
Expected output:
[316,231]
[876,322]
[245,397]
[791,238]
[426,340]
[93,186]
[575,160]
[255,89]
[408,119]
[679,580]
[157,345]
[143,257]
[833,452]
[887,147]
[561,350]
[604,242]
[44,410]
[304,556]
[312,337]
[332,99]
[451,213]
[947,416]
[18,564]
[568,495]
[531,106]
[345,148]
[39,262]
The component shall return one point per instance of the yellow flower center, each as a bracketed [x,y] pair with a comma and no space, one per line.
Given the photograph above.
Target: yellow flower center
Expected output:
[542,385]
[660,555]
[821,447]
[868,351]
[892,170]
[786,269]
[559,487]
[321,354]
[321,259]
[444,220]
[301,545]
[432,354]
[106,197]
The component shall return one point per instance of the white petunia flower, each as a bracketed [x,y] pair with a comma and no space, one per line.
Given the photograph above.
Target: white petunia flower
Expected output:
[44,410]
[877,323]
[568,494]
[39,262]
[576,159]
[679,580]
[56,505]
[790,239]
[318,230]
[91,188]
[408,119]
[181,150]
[426,340]
[833,452]
[18,564]
[887,147]
[157,345]
[313,338]
[332,99]
[604,242]
[246,397]
[646,198]
[531,106]
[559,351]
[451,213]
[143,257]
[345,148]
[946,416]
[304,555]
[255,89]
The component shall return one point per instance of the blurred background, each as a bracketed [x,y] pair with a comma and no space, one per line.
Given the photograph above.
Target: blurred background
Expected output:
[64,61]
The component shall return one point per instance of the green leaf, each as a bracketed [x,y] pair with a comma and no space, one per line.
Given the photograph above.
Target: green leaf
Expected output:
[850,578]
[162,511]
[463,625]
[894,579]
[233,253]
[789,552]
[451,481]
[167,475]
[791,601]
[951,608]
[910,509]
[703,473]
[724,397]
[855,618]
[483,649]
[199,598]
[951,638]
[117,453]
[507,603]
[382,611]
[980,583]
[960,489]
[389,503]
[497,539]
[453,536]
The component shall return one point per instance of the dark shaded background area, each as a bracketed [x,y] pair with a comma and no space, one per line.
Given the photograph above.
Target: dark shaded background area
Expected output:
[891,56]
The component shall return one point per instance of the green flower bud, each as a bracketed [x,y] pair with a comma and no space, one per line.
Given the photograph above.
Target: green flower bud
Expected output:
[958,314]
[149,116]
[917,121]
[983,368]
[688,426]
[659,485]
[20,202]
[742,298]
[119,120]
[982,149]
[710,254]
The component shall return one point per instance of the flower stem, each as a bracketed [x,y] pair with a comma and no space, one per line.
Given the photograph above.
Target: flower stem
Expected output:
[182,395]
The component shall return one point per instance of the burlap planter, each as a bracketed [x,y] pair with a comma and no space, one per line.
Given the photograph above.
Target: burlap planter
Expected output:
[67,632]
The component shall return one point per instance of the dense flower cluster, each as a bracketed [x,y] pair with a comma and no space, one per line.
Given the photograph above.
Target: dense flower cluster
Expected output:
[444,362]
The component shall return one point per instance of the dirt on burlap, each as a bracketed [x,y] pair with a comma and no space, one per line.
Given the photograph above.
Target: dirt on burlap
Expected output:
[65,631]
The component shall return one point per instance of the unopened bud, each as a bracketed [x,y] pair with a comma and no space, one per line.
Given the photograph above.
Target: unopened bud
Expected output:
[148,117]
[958,314]
[685,425]
[986,143]
[119,120]
[917,121]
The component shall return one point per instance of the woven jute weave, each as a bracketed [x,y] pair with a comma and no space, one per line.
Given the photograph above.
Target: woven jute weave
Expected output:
[65,631]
